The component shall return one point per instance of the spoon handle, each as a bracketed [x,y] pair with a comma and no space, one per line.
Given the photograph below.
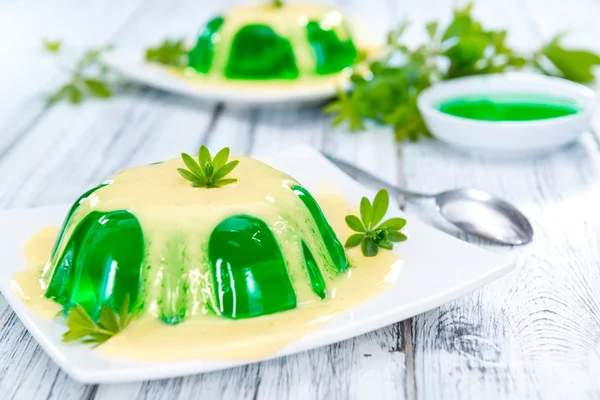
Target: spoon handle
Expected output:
[364,176]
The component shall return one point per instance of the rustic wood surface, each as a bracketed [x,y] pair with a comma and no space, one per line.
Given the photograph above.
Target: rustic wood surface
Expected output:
[532,334]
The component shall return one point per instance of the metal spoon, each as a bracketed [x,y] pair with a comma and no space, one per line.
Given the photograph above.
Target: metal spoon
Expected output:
[474,211]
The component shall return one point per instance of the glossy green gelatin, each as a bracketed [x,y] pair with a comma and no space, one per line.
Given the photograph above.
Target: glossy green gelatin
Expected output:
[72,210]
[249,271]
[100,264]
[174,292]
[317,282]
[262,42]
[257,52]
[201,56]
[333,245]
[103,256]
[508,107]
[331,54]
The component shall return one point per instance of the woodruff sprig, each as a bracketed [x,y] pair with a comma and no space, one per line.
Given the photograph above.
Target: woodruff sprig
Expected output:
[372,236]
[88,76]
[208,172]
[83,327]
[172,52]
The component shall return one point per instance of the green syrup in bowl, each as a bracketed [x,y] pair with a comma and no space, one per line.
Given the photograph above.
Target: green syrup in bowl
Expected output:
[504,107]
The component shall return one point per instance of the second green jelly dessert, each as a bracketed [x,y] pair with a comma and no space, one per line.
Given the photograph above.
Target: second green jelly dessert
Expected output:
[259,42]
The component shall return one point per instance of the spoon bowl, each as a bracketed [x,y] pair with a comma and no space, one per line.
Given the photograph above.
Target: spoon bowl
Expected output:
[479,213]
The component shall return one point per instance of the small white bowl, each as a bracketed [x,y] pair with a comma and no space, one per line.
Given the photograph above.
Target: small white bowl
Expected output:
[507,139]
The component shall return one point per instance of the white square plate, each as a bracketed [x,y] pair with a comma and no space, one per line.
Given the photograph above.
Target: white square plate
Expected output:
[438,268]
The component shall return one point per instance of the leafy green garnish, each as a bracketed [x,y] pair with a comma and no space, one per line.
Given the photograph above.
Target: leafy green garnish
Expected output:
[574,65]
[371,236]
[169,52]
[88,76]
[277,3]
[83,327]
[387,92]
[52,46]
[208,172]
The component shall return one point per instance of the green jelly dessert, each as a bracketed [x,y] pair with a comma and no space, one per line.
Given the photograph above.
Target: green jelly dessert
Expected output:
[255,246]
[260,42]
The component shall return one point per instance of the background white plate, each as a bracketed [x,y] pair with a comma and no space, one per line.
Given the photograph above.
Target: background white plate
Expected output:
[132,64]
[438,268]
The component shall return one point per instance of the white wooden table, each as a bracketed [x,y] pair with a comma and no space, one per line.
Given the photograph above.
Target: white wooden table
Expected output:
[533,334]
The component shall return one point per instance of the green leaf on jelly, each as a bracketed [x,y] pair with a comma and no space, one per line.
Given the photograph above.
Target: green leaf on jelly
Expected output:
[386,244]
[82,327]
[397,236]
[204,155]
[124,316]
[208,169]
[366,212]
[226,169]
[381,203]
[355,223]
[372,237]
[208,172]
[109,320]
[354,240]
[368,247]
[223,182]
[393,224]
[221,158]
[191,177]
[192,165]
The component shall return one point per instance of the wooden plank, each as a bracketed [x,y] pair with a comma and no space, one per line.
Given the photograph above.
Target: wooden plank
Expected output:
[532,334]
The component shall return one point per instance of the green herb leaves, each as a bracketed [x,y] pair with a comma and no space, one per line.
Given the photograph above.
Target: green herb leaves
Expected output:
[574,65]
[169,52]
[387,92]
[88,76]
[51,46]
[208,172]
[82,327]
[370,236]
